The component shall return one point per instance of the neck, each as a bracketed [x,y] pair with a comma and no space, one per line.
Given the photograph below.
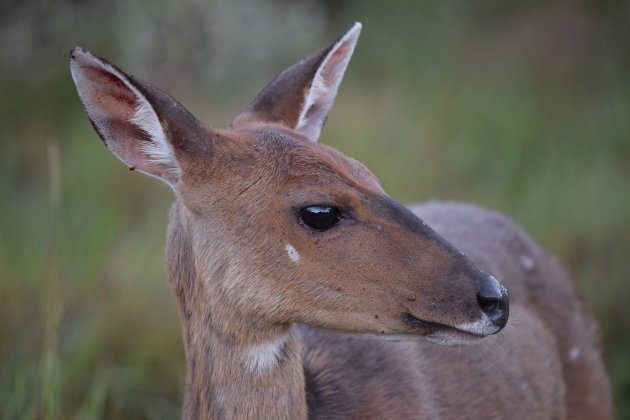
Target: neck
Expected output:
[228,380]
[234,369]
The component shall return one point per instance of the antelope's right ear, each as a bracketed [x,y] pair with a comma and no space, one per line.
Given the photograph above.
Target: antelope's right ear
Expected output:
[142,126]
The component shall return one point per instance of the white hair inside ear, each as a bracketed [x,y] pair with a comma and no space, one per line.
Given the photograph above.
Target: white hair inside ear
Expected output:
[158,150]
[321,94]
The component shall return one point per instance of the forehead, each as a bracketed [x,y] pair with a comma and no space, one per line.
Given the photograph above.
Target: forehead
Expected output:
[297,159]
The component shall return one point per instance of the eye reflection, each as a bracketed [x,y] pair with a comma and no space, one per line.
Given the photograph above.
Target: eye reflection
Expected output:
[320,217]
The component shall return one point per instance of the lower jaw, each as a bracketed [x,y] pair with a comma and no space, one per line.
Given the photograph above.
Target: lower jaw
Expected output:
[454,337]
[447,337]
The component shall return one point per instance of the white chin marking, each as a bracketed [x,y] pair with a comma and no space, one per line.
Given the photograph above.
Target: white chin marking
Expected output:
[482,326]
[292,253]
[264,357]
[453,339]
[441,338]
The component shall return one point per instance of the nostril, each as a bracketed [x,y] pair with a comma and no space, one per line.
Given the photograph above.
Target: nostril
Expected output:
[493,300]
[489,304]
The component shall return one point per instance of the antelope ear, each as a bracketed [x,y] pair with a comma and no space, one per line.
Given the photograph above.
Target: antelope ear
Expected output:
[301,96]
[142,126]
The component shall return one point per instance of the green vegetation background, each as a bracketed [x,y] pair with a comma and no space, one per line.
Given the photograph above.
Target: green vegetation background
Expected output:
[524,108]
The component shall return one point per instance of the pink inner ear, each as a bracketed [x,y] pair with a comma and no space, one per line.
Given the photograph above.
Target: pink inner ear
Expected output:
[329,72]
[111,97]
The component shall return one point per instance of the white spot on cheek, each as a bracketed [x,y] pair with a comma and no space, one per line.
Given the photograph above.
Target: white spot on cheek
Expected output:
[293,254]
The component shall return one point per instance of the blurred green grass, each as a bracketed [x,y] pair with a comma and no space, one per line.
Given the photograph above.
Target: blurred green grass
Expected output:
[524,109]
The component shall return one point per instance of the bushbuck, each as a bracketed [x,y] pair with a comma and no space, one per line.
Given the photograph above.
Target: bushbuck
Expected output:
[305,291]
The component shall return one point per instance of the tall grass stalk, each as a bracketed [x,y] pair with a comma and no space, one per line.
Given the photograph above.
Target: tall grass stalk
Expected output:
[50,392]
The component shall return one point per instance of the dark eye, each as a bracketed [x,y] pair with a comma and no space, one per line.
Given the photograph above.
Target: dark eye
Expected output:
[320,217]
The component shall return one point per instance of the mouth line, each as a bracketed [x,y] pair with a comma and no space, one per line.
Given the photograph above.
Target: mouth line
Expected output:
[434,327]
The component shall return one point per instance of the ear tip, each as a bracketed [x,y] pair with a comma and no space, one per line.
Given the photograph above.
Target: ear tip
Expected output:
[355,29]
[352,34]
[79,55]
[76,52]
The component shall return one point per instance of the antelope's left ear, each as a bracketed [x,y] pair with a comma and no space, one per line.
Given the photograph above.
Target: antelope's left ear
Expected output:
[301,96]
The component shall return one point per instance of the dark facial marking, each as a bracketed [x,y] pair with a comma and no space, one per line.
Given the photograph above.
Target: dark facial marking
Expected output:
[402,216]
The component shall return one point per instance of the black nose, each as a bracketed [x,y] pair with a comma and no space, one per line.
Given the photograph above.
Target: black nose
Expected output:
[493,300]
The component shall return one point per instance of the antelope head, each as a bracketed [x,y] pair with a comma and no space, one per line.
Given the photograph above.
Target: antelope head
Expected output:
[271,228]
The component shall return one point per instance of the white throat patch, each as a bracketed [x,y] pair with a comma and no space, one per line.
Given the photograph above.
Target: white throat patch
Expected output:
[264,357]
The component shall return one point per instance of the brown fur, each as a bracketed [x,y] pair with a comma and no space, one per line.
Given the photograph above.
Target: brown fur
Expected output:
[261,324]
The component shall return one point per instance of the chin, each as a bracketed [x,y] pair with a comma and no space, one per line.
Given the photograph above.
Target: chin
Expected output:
[454,338]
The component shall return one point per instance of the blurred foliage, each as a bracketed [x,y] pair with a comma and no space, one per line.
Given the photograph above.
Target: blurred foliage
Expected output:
[522,107]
